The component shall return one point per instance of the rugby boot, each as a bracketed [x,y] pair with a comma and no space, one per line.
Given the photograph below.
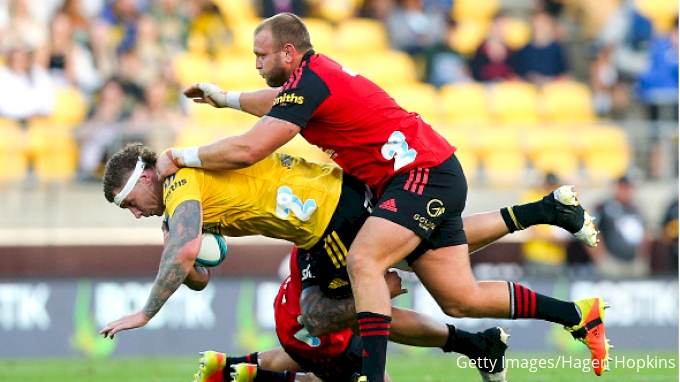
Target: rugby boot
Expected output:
[571,216]
[243,372]
[591,332]
[493,343]
[210,367]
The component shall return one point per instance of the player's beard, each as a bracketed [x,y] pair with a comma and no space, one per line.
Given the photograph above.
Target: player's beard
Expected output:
[277,76]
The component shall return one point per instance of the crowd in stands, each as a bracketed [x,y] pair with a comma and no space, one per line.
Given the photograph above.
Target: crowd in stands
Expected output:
[129,59]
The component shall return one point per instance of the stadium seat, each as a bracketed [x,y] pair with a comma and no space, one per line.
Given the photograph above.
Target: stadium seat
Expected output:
[237,72]
[417,97]
[479,10]
[197,136]
[516,33]
[235,11]
[468,36]
[70,107]
[604,152]
[401,69]
[514,102]
[567,101]
[563,163]
[466,103]
[661,13]
[54,152]
[191,67]
[503,169]
[361,36]
[322,35]
[13,153]
[243,33]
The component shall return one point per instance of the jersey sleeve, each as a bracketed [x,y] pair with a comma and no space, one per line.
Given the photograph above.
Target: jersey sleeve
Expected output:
[299,98]
[179,188]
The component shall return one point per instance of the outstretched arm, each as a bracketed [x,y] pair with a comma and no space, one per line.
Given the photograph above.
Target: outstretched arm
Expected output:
[238,151]
[257,103]
[177,261]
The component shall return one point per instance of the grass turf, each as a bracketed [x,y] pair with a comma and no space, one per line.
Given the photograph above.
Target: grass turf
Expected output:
[430,367]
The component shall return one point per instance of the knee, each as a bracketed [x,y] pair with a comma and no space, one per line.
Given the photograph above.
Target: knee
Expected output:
[464,307]
[360,263]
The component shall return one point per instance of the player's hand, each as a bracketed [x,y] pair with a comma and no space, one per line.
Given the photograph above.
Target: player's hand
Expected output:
[393,281]
[131,321]
[199,96]
[165,167]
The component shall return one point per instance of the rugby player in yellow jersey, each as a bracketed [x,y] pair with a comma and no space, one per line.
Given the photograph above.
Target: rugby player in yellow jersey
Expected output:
[312,205]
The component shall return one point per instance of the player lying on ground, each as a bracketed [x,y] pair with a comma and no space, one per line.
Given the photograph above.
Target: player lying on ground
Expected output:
[335,355]
[408,165]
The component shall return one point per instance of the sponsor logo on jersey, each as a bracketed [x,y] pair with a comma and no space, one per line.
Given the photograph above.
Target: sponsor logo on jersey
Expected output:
[390,205]
[435,208]
[307,273]
[287,161]
[397,148]
[337,283]
[423,222]
[288,98]
[171,184]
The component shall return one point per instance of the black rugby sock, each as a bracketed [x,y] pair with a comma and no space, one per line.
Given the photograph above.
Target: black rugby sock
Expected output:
[273,376]
[248,358]
[375,331]
[525,303]
[519,217]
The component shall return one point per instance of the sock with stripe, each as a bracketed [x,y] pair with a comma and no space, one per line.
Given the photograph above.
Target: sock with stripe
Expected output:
[525,303]
[522,216]
[374,330]
[248,358]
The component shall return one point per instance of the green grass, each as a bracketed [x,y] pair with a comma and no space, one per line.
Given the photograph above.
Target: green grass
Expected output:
[431,367]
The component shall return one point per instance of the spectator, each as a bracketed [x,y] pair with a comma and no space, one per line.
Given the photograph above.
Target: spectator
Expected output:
[173,25]
[544,59]
[376,9]
[21,25]
[610,93]
[269,8]
[68,62]
[23,80]
[101,130]
[122,17]
[149,50]
[413,29]
[443,64]
[80,21]
[545,250]
[157,121]
[624,248]
[493,59]
[658,84]
[669,235]
[103,48]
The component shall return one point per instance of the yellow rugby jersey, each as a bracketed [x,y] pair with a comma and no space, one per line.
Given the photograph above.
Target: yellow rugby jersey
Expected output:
[281,196]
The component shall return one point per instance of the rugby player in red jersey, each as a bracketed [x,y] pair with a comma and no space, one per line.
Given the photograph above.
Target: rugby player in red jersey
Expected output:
[412,170]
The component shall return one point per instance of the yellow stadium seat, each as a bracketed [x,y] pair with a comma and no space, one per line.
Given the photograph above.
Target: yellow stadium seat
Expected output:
[70,107]
[197,136]
[400,70]
[567,101]
[54,152]
[336,10]
[193,67]
[481,10]
[243,35]
[594,14]
[498,138]
[516,33]
[504,168]
[235,11]
[661,13]
[361,36]
[563,163]
[514,102]
[420,98]
[604,152]
[13,153]
[322,35]
[237,72]
[468,36]
[466,103]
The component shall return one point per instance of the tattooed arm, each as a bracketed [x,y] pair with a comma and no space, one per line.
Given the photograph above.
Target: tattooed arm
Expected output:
[323,315]
[176,263]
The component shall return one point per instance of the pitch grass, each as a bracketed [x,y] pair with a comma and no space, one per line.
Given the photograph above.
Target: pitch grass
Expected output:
[430,367]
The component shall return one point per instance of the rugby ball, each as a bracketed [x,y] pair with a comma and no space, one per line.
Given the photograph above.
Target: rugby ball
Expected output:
[213,250]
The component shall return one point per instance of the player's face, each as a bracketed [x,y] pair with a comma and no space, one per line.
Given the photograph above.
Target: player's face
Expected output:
[268,61]
[142,201]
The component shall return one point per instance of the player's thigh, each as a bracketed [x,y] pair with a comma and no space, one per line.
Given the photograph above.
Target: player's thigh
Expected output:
[382,241]
[446,274]
[277,359]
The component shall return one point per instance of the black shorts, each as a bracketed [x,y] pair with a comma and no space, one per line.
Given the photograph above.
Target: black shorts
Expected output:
[325,263]
[429,202]
[342,368]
